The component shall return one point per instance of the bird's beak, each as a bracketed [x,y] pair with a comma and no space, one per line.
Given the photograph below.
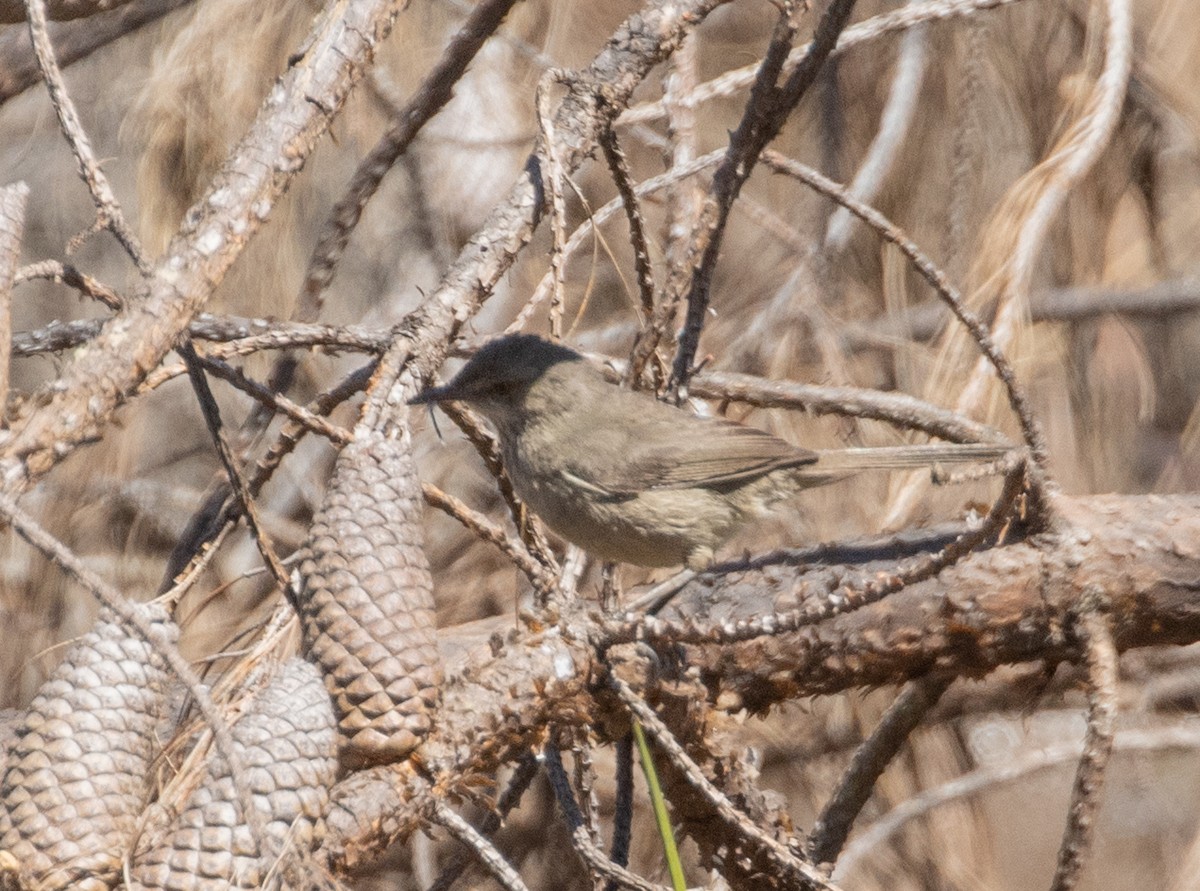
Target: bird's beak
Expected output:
[434,395]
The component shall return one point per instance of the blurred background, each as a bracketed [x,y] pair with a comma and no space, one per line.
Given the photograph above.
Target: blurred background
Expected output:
[939,127]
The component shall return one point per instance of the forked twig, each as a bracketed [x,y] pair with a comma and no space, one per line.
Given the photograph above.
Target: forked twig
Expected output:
[212,418]
[108,209]
[766,110]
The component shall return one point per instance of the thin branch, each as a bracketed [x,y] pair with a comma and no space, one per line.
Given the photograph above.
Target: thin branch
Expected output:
[240,335]
[526,771]
[72,277]
[220,512]
[618,166]
[489,532]
[1095,632]
[766,111]
[276,402]
[898,113]
[833,825]
[592,856]
[109,210]
[873,28]
[212,419]
[779,854]
[431,96]
[875,837]
[941,285]
[529,527]
[72,41]
[485,852]
[622,805]
[1068,163]
[603,215]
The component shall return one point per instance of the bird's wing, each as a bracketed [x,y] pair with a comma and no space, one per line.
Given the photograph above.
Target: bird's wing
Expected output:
[722,453]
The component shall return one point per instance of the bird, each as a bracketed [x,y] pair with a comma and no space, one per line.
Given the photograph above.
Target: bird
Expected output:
[632,479]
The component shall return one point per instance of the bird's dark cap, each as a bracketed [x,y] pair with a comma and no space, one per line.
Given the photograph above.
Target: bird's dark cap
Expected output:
[513,357]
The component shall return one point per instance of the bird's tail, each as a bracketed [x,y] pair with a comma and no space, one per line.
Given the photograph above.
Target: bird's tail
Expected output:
[834,464]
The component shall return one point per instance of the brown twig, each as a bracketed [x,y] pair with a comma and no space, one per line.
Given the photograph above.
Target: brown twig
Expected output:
[219,512]
[529,527]
[274,401]
[1095,633]
[833,825]
[525,773]
[108,209]
[603,215]
[72,277]
[490,532]
[782,856]
[618,166]
[485,852]
[212,419]
[431,96]
[901,19]
[899,409]
[12,228]
[769,106]
[554,177]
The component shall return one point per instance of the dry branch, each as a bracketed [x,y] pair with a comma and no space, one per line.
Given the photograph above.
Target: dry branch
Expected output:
[1006,605]
[108,369]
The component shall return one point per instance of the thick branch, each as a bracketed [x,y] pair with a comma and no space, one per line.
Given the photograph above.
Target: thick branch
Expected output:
[1006,605]
[999,606]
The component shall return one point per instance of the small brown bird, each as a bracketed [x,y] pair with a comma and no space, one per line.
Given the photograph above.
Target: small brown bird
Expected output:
[632,479]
